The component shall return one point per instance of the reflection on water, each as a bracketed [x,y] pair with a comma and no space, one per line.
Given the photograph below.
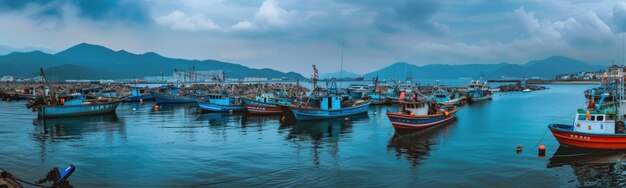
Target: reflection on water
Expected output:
[593,168]
[177,146]
[322,133]
[72,127]
[416,146]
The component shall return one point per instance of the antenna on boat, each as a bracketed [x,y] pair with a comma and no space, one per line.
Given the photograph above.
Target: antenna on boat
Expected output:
[341,66]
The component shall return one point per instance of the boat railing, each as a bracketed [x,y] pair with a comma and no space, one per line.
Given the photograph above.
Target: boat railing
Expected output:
[564,121]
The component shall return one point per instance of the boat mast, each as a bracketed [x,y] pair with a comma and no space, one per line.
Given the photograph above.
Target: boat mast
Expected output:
[341,66]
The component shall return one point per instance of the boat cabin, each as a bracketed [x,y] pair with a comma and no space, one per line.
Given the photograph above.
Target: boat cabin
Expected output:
[598,122]
[330,103]
[414,108]
[218,99]
[441,96]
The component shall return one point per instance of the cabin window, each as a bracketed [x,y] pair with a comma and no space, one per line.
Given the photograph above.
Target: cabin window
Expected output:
[330,103]
[593,118]
[600,118]
[582,117]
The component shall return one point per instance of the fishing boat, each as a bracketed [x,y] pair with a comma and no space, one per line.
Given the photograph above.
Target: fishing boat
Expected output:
[357,91]
[597,126]
[60,105]
[477,91]
[327,108]
[161,97]
[593,128]
[442,96]
[420,115]
[220,103]
[401,91]
[265,104]
[137,94]
[78,106]
[377,96]
[324,104]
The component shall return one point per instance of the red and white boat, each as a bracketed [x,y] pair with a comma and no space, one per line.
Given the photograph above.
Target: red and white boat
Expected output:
[416,116]
[596,127]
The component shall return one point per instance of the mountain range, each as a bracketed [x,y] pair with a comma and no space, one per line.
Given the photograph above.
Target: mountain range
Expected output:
[547,69]
[88,61]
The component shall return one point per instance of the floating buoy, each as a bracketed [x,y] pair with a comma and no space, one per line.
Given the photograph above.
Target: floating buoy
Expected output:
[156,107]
[140,100]
[134,109]
[542,150]
[230,111]
[374,113]
[346,119]
[283,118]
[518,149]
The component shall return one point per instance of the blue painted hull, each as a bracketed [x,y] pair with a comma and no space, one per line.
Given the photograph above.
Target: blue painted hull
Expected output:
[169,98]
[257,103]
[304,114]
[209,107]
[77,110]
[139,98]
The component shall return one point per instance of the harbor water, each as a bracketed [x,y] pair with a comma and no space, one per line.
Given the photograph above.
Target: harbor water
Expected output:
[176,146]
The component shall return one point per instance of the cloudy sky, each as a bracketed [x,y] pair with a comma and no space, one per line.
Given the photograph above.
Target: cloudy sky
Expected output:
[290,35]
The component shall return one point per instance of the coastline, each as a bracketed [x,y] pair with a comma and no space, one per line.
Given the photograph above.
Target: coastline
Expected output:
[564,82]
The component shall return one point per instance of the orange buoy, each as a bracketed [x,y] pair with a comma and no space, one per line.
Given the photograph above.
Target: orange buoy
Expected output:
[156,107]
[62,101]
[446,113]
[542,150]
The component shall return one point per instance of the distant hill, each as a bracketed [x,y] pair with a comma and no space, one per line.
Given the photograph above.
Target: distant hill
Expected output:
[546,68]
[26,64]
[338,74]
[89,59]
[75,72]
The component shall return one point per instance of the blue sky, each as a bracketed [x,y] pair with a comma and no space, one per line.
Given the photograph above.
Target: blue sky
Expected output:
[290,35]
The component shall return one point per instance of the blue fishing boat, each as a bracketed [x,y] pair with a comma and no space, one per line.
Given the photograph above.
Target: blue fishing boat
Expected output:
[78,106]
[442,96]
[136,95]
[477,91]
[220,103]
[160,97]
[329,107]
[416,116]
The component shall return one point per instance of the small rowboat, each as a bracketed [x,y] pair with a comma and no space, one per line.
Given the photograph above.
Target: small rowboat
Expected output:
[416,116]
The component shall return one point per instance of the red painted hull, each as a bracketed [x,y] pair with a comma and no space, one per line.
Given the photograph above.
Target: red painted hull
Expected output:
[588,141]
[263,110]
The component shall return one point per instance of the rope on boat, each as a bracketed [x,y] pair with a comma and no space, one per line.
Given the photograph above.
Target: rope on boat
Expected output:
[26,182]
[541,140]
